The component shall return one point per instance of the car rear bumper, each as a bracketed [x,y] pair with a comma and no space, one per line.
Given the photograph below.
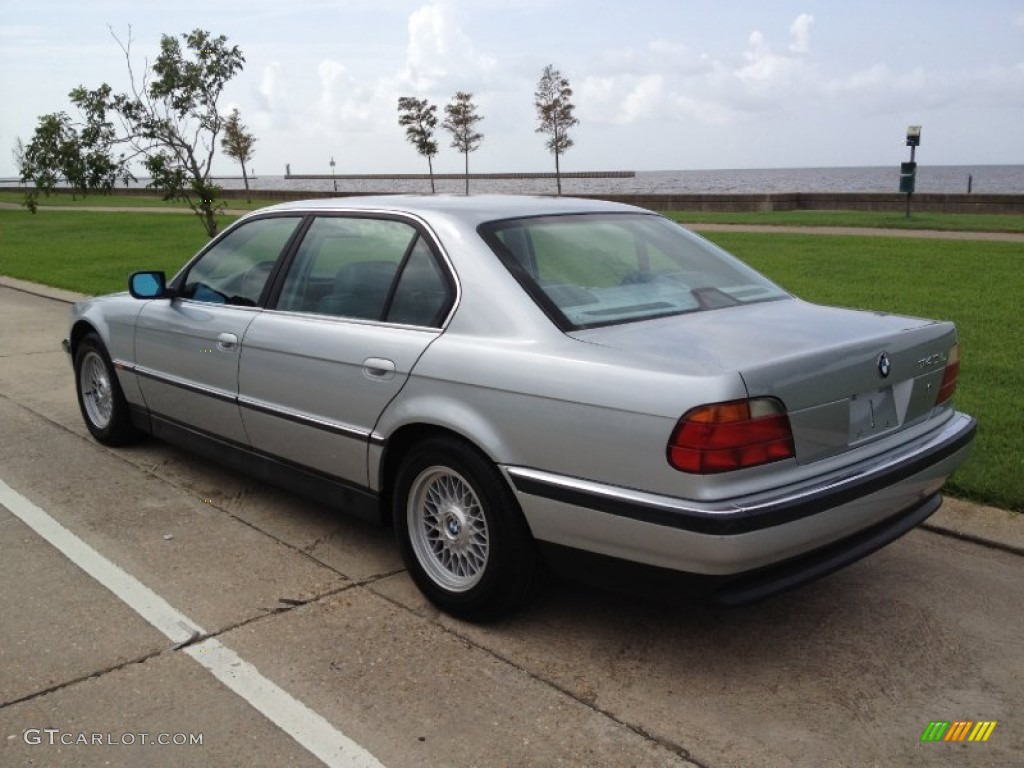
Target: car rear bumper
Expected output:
[744,534]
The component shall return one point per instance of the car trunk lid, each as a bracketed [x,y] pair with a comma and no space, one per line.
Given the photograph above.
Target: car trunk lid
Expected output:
[845,377]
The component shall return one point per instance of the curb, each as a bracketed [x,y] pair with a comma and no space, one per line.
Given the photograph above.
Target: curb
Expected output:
[42,291]
[957,518]
[979,524]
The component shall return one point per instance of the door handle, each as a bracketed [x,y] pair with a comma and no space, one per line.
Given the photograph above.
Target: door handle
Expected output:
[226,342]
[378,369]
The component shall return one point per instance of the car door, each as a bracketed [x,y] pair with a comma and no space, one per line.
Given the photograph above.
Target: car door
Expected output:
[187,347]
[362,299]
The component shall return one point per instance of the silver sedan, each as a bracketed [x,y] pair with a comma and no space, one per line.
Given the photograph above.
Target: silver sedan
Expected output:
[518,383]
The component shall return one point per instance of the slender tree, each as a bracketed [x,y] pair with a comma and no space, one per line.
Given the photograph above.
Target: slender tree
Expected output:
[553,100]
[419,118]
[460,120]
[238,143]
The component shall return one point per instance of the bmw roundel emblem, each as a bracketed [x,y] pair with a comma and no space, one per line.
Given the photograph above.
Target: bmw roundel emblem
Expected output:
[884,365]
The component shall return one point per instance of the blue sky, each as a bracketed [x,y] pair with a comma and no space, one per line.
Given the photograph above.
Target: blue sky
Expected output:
[691,84]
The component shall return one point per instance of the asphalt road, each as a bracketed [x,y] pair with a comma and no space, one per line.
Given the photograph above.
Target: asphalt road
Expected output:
[317,614]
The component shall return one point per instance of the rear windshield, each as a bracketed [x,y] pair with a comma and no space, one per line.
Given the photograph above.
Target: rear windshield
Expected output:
[589,270]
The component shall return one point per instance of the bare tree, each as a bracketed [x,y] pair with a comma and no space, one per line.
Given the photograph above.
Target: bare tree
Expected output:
[419,118]
[553,100]
[460,119]
[238,143]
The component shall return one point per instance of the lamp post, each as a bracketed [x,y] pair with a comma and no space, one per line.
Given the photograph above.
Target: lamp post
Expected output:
[908,171]
[332,174]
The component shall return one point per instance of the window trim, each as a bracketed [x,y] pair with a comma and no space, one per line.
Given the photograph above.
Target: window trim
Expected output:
[177,282]
[489,230]
[437,252]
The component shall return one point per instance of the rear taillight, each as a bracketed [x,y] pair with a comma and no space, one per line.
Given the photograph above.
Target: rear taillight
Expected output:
[727,436]
[949,376]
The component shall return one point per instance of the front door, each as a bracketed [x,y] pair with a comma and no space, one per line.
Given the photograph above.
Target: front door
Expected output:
[187,348]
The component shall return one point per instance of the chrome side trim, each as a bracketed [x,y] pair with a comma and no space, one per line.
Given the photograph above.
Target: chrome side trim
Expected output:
[174,381]
[259,406]
[737,516]
[304,419]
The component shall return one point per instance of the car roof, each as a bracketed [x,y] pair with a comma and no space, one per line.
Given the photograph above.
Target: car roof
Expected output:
[473,209]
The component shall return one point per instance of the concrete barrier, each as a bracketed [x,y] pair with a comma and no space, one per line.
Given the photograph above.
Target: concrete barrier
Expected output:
[825,201]
[925,202]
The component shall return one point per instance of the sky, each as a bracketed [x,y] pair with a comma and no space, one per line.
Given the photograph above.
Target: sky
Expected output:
[658,85]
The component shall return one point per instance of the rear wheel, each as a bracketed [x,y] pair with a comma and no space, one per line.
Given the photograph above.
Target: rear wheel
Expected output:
[461,532]
[100,398]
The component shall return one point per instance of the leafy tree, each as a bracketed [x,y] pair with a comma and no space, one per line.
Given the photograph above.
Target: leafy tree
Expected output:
[169,119]
[76,154]
[460,119]
[238,143]
[419,118]
[174,121]
[553,100]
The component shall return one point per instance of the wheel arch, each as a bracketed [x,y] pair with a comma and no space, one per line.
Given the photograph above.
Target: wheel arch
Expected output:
[79,331]
[397,447]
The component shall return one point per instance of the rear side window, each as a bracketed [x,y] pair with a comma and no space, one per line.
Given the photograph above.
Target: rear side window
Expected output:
[422,296]
[366,269]
[589,270]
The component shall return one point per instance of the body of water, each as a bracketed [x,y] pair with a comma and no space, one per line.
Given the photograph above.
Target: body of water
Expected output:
[987,179]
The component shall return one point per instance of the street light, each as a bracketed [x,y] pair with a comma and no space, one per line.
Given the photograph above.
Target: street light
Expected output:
[332,174]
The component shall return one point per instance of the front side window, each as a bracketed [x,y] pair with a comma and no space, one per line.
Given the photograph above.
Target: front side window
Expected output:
[589,270]
[366,269]
[236,268]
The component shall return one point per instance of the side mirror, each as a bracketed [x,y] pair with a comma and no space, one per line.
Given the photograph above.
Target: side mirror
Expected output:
[148,285]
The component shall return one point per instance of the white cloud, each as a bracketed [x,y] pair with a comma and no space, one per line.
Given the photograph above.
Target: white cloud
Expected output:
[270,87]
[764,67]
[644,100]
[800,31]
[438,49]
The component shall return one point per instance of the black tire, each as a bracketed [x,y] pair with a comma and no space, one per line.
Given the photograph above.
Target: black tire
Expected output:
[462,534]
[100,397]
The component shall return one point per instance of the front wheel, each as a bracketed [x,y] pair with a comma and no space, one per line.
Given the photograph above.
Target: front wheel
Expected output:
[100,398]
[461,532]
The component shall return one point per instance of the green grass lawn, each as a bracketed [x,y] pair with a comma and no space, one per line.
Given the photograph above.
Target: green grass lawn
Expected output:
[977,284]
[94,252]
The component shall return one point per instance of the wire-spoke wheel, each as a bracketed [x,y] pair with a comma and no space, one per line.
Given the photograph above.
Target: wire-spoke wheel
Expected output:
[100,398]
[447,528]
[461,532]
[94,389]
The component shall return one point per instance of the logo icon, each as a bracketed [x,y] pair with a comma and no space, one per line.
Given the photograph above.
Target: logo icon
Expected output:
[958,730]
[884,365]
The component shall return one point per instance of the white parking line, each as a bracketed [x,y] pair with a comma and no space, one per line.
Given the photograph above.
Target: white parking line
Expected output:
[289,714]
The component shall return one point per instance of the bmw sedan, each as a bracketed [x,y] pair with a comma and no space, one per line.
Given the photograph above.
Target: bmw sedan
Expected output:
[518,383]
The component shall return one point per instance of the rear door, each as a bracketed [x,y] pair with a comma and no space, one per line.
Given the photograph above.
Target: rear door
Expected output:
[187,348]
[362,299]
